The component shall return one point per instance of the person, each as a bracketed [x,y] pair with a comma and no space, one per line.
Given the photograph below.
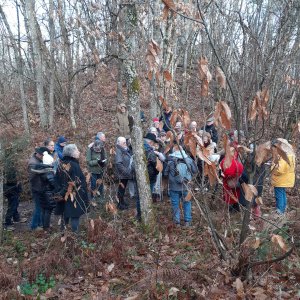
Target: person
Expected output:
[166,118]
[37,186]
[151,156]
[59,146]
[12,189]
[179,132]
[49,143]
[231,175]
[193,126]
[211,129]
[282,177]
[124,169]
[156,124]
[96,160]
[47,202]
[178,183]
[72,187]
[122,123]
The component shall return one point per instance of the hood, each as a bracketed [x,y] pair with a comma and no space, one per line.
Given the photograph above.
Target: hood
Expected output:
[177,154]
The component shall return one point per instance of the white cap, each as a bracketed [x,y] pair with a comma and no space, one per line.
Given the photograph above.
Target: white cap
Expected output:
[47,158]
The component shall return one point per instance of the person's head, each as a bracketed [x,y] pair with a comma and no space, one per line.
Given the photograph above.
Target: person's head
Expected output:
[178,126]
[123,108]
[153,130]
[121,141]
[39,152]
[206,138]
[155,122]
[162,136]
[97,146]
[200,133]
[62,141]
[210,120]
[193,126]
[150,139]
[71,150]
[100,136]
[49,143]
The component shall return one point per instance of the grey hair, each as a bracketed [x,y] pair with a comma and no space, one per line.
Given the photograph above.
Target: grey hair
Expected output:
[151,129]
[69,150]
[120,140]
[100,134]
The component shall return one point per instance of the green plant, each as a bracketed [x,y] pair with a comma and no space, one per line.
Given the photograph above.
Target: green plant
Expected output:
[20,248]
[40,286]
[89,246]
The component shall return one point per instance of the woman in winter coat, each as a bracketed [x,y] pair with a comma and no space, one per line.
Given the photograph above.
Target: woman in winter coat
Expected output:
[122,121]
[231,176]
[59,146]
[283,176]
[72,187]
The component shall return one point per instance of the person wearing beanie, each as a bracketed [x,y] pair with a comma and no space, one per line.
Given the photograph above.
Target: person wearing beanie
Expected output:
[59,146]
[156,124]
[96,160]
[211,129]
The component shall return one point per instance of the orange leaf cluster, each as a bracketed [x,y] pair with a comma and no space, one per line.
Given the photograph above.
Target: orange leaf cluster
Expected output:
[259,105]
[205,75]
[249,190]
[223,114]
[182,116]
[152,59]
[278,239]
[211,171]
[228,154]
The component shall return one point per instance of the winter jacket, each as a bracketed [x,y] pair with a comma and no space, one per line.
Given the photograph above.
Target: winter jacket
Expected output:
[59,150]
[231,174]
[11,187]
[76,205]
[151,163]
[35,178]
[283,174]
[46,174]
[166,120]
[123,158]
[211,129]
[171,170]
[123,124]
[92,158]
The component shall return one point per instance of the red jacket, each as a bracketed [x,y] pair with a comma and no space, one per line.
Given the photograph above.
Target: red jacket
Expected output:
[231,176]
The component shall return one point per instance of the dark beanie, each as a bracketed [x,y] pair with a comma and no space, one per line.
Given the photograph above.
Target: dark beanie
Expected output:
[61,139]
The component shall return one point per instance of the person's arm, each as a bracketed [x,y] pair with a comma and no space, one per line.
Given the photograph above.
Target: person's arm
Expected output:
[91,162]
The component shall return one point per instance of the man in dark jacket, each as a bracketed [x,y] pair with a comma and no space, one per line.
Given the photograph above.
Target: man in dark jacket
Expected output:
[178,185]
[12,189]
[37,185]
[59,146]
[211,129]
[124,169]
[166,117]
[149,142]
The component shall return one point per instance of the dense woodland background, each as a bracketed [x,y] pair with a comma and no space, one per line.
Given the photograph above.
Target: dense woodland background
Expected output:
[64,68]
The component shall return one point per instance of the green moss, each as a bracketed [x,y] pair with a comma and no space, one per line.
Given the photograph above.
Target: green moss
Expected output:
[135,85]
[132,15]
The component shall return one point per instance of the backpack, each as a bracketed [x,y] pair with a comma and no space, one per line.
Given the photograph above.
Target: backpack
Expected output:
[182,173]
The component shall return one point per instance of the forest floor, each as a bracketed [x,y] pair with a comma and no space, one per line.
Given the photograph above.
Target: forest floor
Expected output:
[115,257]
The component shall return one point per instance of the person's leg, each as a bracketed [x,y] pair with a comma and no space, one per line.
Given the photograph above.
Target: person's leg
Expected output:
[280,199]
[187,208]
[175,206]
[121,192]
[75,224]
[16,215]
[36,217]
[47,218]
[93,184]
[9,212]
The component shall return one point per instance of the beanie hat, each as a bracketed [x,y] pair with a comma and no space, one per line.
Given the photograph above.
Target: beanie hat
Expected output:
[97,146]
[151,137]
[41,150]
[61,139]
[155,120]
[47,158]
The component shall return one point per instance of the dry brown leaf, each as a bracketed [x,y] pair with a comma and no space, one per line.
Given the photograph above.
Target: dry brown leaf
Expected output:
[167,75]
[170,4]
[243,149]
[188,197]
[110,207]
[263,153]
[228,155]
[165,13]
[205,76]
[265,94]
[278,239]
[259,201]
[186,119]
[220,77]
[225,115]
[212,173]
[249,190]
[281,153]
[69,192]
[92,223]
[63,238]
[159,165]
[163,102]
[238,284]
[174,117]
[202,156]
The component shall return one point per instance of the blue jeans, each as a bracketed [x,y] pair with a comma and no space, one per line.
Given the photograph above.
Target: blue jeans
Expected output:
[94,178]
[176,197]
[74,223]
[37,214]
[281,200]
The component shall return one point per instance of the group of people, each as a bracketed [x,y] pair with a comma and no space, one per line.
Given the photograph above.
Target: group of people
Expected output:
[58,184]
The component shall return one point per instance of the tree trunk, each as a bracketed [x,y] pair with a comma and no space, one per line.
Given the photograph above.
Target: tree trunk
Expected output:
[18,58]
[38,58]
[1,191]
[133,88]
